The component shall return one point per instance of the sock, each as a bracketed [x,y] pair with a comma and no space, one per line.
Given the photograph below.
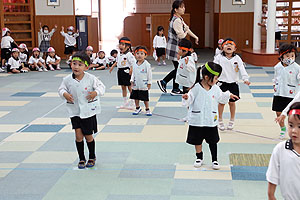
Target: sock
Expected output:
[91,147]
[125,99]
[80,150]
[200,155]
[214,151]
[147,109]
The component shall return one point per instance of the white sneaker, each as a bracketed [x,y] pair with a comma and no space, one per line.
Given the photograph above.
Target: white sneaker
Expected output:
[230,125]
[221,126]
[51,68]
[159,64]
[24,71]
[45,70]
[137,111]
[58,67]
[1,70]
[164,63]
[198,163]
[39,69]
[148,113]
[215,165]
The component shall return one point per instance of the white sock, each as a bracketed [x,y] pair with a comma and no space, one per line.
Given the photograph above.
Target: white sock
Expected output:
[125,99]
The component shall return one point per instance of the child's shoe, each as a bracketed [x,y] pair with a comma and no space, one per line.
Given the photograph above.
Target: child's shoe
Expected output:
[198,163]
[81,164]
[51,68]
[148,113]
[45,70]
[164,63]
[1,70]
[137,111]
[91,163]
[215,165]
[159,64]
[39,69]
[230,125]
[24,71]
[221,126]
[58,67]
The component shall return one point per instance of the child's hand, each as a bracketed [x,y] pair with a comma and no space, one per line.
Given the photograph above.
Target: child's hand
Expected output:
[197,40]
[234,97]
[62,28]
[247,82]
[110,69]
[68,97]
[91,96]
[185,96]
[149,86]
[55,26]
[280,119]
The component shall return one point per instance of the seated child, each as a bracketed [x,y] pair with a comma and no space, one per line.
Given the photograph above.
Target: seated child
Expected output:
[52,60]
[14,64]
[36,62]
[219,49]
[112,58]
[23,56]
[89,51]
[100,63]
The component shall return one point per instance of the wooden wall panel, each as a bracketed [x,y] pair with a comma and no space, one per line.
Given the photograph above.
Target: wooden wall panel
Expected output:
[238,26]
[57,40]
[93,33]
[216,30]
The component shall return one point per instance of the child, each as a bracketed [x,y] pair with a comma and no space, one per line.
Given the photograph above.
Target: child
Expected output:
[52,60]
[124,63]
[141,80]
[219,47]
[23,55]
[112,58]
[14,64]
[286,81]
[70,40]
[202,100]
[194,55]
[82,91]
[160,44]
[231,64]
[36,62]
[284,166]
[186,72]
[89,51]
[45,36]
[6,45]
[100,63]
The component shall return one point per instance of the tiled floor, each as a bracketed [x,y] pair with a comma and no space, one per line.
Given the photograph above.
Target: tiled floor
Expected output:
[138,157]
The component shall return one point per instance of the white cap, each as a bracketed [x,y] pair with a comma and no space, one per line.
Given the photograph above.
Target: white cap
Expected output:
[15,50]
[51,50]
[89,48]
[35,49]
[4,31]
[220,41]
[71,28]
[23,46]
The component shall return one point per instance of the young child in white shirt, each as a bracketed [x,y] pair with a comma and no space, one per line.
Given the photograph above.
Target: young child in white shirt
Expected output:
[113,57]
[89,51]
[23,55]
[160,44]
[14,64]
[286,81]
[52,60]
[36,62]
[186,71]
[81,91]
[100,63]
[70,40]
[6,46]
[219,47]
[284,166]
[231,65]
[202,101]
[141,80]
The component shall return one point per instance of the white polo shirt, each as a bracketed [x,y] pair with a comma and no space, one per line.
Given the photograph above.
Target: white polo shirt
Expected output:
[6,42]
[159,42]
[14,64]
[284,170]
[125,60]
[35,60]
[52,60]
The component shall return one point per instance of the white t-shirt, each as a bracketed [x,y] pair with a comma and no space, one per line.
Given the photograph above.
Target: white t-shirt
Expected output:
[125,60]
[6,42]
[284,170]
[186,72]
[100,61]
[111,60]
[53,60]
[218,51]
[14,64]
[141,76]
[159,42]
[35,60]
[23,57]
[70,40]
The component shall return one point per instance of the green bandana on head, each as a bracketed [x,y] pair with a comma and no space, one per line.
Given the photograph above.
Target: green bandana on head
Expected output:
[210,70]
[79,59]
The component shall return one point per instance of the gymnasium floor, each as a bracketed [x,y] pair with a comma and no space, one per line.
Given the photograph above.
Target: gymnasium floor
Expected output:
[138,157]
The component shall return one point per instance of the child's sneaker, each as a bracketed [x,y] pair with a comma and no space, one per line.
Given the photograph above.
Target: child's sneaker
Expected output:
[45,70]
[230,125]
[51,68]
[221,126]
[24,71]
[91,163]
[137,111]
[39,69]
[198,163]
[164,63]
[215,165]
[58,67]
[159,64]
[1,70]
[148,113]
[81,164]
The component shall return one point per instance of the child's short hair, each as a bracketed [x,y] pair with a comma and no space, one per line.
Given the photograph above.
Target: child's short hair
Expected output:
[209,69]
[45,26]
[101,51]
[295,105]
[286,48]
[160,28]
[83,56]
[113,52]
[141,48]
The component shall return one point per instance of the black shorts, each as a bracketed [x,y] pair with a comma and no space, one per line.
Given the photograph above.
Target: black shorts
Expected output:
[197,134]
[142,95]
[232,87]
[124,77]
[5,54]
[278,35]
[10,70]
[88,126]
[160,52]
[280,103]
[69,50]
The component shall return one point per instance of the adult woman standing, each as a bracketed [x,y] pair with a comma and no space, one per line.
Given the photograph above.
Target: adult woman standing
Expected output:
[177,30]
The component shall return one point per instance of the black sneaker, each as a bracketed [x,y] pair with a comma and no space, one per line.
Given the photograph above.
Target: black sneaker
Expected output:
[162,86]
[176,92]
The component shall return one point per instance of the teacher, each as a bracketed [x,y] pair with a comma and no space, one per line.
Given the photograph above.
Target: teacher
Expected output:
[177,30]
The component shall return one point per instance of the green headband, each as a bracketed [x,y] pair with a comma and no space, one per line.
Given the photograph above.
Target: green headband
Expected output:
[211,71]
[79,59]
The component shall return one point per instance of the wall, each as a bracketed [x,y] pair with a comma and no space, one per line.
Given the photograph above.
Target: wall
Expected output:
[227,7]
[65,8]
